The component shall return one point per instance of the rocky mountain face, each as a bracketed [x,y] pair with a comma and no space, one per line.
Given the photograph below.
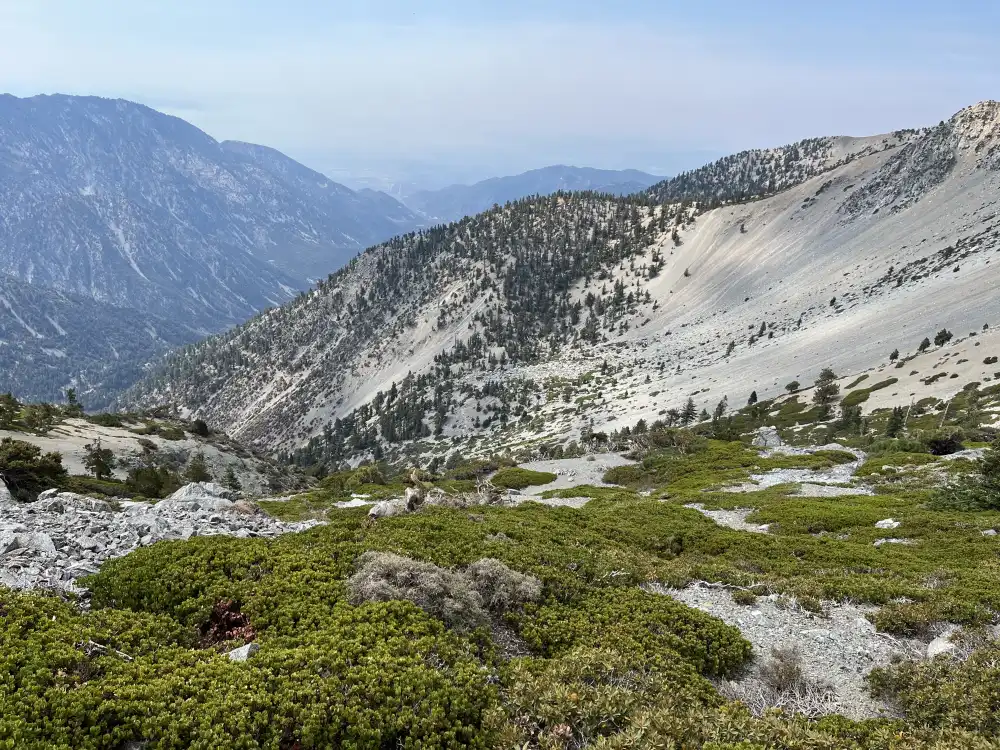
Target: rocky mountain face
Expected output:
[50,340]
[551,316]
[454,202]
[118,202]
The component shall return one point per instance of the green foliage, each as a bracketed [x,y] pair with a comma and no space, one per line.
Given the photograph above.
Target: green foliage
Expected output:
[611,664]
[896,423]
[946,693]
[153,481]
[197,469]
[942,337]
[99,461]
[104,419]
[979,491]
[27,471]
[323,687]
[854,398]
[10,410]
[516,478]
[96,487]
[826,392]
[644,627]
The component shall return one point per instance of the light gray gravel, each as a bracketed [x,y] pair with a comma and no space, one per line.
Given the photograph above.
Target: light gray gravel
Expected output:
[838,648]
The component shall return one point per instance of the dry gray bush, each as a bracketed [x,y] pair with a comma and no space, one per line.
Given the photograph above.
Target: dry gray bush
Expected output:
[812,700]
[780,682]
[461,599]
[500,587]
[383,576]
[783,671]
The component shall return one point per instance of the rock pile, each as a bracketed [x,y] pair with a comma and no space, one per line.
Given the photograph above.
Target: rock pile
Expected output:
[64,536]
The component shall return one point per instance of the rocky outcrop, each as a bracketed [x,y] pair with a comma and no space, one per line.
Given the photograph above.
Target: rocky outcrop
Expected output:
[65,536]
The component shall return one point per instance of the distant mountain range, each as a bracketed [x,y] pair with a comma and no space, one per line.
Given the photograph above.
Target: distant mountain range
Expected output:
[454,202]
[50,339]
[132,207]
[125,232]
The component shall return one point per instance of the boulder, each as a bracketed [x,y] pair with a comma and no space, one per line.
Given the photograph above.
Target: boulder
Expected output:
[5,497]
[37,542]
[887,523]
[52,501]
[414,498]
[207,496]
[387,509]
[8,542]
[767,437]
[243,652]
[247,508]
[942,645]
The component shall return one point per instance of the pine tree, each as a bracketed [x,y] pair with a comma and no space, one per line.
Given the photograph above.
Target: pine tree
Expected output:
[826,393]
[942,337]
[197,469]
[99,461]
[896,422]
[753,398]
[231,480]
[689,412]
[10,410]
[73,406]
[793,386]
[720,409]
[924,345]
[894,356]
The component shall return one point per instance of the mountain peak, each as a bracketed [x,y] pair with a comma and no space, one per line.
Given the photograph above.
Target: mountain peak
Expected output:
[978,125]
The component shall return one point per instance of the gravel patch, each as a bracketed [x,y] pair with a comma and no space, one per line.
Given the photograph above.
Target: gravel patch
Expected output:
[812,483]
[838,648]
[574,472]
[735,518]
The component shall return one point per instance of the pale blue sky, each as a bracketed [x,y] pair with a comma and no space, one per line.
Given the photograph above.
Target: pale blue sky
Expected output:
[505,86]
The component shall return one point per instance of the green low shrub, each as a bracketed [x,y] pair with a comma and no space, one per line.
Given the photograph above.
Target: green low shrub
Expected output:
[516,478]
[946,693]
[647,628]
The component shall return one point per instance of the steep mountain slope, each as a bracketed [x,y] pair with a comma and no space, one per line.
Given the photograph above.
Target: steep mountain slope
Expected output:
[530,322]
[119,202]
[454,202]
[50,340]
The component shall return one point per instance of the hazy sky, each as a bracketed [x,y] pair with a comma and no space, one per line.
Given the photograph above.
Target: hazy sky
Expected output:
[505,86]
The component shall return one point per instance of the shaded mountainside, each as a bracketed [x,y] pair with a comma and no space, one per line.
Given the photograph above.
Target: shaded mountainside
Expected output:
[533,321]
[50,340]
[455,201]
[116,201]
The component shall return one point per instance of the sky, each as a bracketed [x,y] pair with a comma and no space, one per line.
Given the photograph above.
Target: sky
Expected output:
[438,90]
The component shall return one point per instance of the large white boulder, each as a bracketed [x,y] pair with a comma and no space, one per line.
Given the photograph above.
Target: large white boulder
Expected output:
[206,496]
[767,437]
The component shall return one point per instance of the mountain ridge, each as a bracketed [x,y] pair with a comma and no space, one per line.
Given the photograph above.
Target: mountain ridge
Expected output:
[114,200]
[456,201]
[434,335]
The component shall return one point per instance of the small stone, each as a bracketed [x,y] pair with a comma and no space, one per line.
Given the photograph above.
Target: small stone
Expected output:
[990,532]
[243,652]
[941,646]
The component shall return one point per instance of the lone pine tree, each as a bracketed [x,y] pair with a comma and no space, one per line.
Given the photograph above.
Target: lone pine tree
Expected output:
[826,393]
